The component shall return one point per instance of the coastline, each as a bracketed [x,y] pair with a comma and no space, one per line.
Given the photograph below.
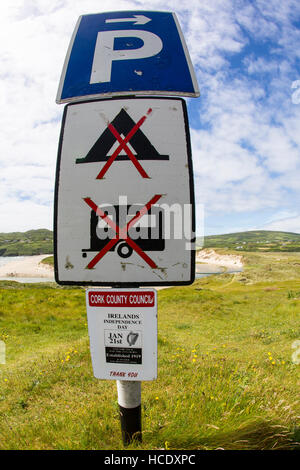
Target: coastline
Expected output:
[31,266]
[27,267]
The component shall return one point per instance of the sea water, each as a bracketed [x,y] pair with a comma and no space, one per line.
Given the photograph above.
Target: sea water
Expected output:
[8,259]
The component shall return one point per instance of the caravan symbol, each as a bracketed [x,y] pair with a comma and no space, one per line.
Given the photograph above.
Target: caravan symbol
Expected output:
[147,233]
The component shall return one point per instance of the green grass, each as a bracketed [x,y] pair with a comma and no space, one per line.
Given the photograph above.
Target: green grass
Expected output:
[34,242]
[49,260]
[255,240]
[226,378]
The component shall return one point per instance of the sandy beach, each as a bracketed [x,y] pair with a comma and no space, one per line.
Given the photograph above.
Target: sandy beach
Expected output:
[30,266]
[209,256]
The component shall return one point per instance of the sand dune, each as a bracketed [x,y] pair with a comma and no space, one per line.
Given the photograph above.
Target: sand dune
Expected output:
[209,256]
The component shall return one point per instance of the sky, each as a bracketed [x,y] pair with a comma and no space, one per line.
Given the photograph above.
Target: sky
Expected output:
[244,128]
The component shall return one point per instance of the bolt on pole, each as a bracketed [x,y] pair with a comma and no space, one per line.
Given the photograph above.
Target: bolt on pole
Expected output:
[129,400]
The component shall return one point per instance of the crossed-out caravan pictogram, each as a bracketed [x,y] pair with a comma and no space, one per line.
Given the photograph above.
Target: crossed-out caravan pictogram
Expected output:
[121,233]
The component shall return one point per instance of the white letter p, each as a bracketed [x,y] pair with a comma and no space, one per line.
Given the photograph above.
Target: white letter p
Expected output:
[105,54]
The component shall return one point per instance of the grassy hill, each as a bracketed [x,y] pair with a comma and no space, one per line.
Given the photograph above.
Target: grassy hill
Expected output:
[35,242]
[255,240]
[32,242]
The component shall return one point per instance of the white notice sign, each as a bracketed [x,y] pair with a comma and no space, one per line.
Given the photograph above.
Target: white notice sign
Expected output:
[122,327]
[124,199]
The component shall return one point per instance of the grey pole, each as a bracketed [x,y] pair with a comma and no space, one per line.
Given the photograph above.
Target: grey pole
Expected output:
[129,400]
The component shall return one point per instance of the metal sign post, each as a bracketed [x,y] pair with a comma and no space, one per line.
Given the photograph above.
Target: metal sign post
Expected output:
[129,400]
[124,213]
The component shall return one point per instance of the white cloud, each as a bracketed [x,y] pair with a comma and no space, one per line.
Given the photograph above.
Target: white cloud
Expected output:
[245,127]
[249,156]
[25,215]
[290,224]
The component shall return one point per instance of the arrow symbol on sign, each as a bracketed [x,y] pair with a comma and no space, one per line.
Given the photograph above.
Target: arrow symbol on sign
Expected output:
[138,19]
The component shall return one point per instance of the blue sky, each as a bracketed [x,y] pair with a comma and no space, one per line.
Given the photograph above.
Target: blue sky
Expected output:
[244,127]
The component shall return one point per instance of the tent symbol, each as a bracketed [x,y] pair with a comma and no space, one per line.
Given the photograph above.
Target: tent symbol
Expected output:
[123,124]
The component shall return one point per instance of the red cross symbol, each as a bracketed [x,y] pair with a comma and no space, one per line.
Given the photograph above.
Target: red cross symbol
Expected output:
[123,146]
[121,233]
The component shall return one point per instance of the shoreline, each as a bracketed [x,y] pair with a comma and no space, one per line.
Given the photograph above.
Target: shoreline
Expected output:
[27,267]
[31,266]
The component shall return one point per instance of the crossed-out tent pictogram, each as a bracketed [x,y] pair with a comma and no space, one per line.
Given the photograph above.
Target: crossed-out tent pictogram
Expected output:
[121,233]
[123,146]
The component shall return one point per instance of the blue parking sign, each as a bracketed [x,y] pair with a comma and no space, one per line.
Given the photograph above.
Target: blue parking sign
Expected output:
[128,52]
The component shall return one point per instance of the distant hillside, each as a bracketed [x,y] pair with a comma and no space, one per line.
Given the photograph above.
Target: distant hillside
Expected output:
[33,242]
[255,240]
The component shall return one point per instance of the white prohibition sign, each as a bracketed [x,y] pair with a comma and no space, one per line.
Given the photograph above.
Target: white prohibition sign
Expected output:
[114,226]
